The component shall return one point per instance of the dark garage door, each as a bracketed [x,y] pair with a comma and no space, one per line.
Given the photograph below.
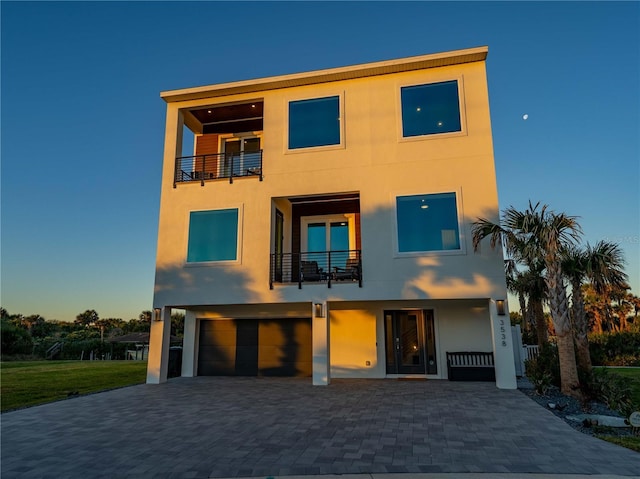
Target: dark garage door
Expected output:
[255,347]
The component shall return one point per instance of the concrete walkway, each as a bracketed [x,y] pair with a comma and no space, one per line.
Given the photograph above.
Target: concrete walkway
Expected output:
[248,427]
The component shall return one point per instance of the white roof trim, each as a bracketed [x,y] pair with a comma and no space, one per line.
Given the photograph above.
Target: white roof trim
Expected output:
[333,74]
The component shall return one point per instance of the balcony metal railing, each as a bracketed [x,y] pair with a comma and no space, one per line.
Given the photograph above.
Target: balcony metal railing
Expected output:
[324,267]
[216,166]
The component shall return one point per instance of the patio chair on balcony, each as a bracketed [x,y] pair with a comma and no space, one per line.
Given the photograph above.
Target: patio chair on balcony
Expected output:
[351,271]
[311,272]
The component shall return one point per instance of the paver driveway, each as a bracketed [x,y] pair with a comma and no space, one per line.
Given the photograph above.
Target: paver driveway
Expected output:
[229,427]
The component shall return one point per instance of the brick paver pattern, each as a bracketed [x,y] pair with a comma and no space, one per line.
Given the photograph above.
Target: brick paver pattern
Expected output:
[238,427]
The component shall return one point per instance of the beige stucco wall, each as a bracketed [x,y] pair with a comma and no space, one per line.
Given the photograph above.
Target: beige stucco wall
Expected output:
[357,333]
[376,162]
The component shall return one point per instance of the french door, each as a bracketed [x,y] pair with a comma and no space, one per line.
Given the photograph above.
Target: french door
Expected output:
[410,342]
[328,233]
[239,154]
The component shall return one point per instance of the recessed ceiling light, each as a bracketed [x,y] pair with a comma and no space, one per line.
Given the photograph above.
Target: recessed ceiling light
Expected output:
[418,109]
[439,123]
[208,111]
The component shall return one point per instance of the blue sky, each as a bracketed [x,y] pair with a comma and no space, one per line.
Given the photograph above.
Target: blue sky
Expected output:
[82,122]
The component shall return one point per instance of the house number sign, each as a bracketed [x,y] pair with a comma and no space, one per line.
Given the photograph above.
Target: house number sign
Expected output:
[503,334]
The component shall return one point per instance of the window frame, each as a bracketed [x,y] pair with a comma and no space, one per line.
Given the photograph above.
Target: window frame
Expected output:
[239,240]
[432,136]
[341,127]
[460,217]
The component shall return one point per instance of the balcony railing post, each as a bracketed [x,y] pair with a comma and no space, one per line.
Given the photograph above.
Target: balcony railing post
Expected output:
[360,268]
[328,269]
[231,170]
[204,168]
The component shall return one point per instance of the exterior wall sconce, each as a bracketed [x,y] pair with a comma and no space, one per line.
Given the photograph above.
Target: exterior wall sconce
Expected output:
[157,314]
[318,310]
[500,307]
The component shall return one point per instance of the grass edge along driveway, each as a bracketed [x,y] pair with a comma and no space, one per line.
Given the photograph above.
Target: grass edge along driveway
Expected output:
[29,383]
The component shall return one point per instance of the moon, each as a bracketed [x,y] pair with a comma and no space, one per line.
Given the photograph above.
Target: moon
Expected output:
[525,116]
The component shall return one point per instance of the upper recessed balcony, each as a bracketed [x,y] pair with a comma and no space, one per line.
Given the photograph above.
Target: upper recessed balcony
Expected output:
[227,143]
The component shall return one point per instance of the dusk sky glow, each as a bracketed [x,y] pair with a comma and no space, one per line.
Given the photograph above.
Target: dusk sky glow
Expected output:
[82,121]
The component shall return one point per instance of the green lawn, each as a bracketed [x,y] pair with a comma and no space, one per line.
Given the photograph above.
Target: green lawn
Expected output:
[27,383]
[631,442]
[634,375]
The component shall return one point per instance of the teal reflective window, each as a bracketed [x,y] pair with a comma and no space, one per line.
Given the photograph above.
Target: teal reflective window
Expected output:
[427,223]
[314,122]
[213,236]
[430,109]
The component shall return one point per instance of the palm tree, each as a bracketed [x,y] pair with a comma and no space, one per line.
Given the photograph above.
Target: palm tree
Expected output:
[603,266]
[537,290]
[539,234]
[530,288]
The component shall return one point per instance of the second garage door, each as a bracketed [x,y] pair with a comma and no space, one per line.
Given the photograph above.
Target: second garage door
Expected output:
[255,347]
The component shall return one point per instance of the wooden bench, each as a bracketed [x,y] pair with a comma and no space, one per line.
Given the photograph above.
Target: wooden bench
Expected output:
[470,366]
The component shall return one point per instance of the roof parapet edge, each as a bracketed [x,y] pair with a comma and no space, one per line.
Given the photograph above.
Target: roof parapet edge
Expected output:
[433,60]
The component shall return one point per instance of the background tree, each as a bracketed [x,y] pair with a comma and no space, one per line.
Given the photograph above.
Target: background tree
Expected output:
[603,266]
[87,318]
[177,324]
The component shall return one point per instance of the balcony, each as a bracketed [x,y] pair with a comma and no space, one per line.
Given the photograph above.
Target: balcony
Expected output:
[326,267]
[217,166]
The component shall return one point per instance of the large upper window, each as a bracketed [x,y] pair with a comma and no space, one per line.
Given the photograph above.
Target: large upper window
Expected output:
[427,223]
[430,109]
[213,236]
[314,122]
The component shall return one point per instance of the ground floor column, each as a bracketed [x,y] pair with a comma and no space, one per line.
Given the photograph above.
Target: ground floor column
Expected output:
[320,344]
[189,345]
[502,345]
[159,339]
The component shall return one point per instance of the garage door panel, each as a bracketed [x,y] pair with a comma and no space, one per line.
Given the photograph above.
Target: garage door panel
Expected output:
[216,368]
[218,353]
[250,347]
[246,332]
[244,368]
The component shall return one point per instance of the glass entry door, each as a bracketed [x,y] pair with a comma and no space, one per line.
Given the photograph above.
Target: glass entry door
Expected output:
[410,342]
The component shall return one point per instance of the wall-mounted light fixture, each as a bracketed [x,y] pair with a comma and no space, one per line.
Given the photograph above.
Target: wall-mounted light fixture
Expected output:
[318,310]
[157,314]
[500,307]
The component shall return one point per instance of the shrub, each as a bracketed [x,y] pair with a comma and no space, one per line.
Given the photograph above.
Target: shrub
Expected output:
[544,370]
[540,378]
[611,389]
[615,349]
[15,340]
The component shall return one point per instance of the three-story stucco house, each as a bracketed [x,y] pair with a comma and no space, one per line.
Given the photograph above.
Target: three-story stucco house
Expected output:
[320,224]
